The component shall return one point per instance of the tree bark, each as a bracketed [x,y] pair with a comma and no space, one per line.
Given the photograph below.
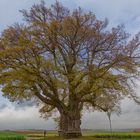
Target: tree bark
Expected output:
[69,125]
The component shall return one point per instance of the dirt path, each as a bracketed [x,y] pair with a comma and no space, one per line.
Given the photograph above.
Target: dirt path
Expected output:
[32,138]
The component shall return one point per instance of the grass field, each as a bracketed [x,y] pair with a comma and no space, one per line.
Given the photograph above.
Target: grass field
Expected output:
[11,136]
[52,135]
[90,135]
[85,138]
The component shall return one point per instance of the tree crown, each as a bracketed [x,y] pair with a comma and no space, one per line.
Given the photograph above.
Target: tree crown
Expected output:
[67,59]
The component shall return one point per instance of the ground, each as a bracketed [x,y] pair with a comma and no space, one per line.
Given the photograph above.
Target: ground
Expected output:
[52,135]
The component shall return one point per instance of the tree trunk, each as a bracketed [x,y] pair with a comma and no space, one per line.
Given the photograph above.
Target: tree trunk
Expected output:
[69,125]
[110,123]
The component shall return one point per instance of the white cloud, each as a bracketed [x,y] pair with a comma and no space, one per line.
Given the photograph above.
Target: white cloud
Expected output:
[127,120]
[117,11]
[29,118]
[9,10]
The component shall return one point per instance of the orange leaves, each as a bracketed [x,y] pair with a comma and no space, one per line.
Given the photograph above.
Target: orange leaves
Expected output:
[60,54]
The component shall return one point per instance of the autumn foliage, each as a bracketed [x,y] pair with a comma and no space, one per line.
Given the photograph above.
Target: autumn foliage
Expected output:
[69,61]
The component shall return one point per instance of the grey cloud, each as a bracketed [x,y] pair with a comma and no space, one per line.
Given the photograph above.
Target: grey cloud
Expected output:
[29,118]
[25,104]
[10,118]
[129,118]
[3,106]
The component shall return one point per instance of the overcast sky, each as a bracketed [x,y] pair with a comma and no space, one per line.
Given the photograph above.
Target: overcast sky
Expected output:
[118,12]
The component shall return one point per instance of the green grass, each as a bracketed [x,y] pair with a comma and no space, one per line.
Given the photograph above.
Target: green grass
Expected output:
[95,136]
[85,138]
[52,135]
[41,134]
[114,135]
[10,136]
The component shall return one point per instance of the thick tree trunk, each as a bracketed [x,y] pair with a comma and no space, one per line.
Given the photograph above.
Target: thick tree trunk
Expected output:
[69,126]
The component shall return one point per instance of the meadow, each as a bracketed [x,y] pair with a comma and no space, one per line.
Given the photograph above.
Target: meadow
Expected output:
[100,136]
[88,135]
[7,135]
[52,135]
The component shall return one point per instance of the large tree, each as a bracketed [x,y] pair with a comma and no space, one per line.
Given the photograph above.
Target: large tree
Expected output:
[67,60]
